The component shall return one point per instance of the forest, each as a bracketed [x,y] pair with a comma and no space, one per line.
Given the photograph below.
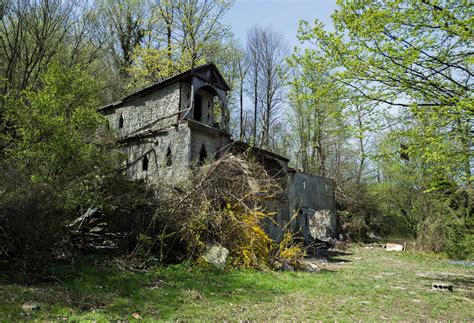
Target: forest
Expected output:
[382,103]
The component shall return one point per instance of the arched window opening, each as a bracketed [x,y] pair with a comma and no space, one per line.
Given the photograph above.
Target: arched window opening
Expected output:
[208,110]
[121,122]
[145,163]
[217,107]
[197,107]
[202,154]
[168,158]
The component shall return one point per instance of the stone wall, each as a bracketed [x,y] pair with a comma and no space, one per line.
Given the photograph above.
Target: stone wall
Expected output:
[313,198]
[185,99]
[211,139]
[155,147]
[141,113]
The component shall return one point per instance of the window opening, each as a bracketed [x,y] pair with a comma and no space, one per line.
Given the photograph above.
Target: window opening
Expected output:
[202,154]
[217,111]
[145,163]
[197,107]
[168,158]
[121,122]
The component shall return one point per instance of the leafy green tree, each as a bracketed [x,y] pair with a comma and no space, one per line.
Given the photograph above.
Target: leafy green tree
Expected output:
[182,34]
[58,162]
[57,135]
[413,56]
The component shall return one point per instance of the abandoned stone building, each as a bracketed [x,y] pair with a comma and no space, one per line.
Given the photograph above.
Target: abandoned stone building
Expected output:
[183,120]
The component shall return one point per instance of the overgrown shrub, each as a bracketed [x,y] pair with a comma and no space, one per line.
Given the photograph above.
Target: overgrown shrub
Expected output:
[59,160]
[31,219]
[222,203]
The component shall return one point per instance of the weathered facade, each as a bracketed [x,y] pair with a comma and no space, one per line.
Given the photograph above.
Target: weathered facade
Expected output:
[169,126]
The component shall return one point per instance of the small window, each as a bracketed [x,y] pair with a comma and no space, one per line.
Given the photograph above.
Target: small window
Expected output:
[145,163]
[202,154]
[121,122]
[168,158]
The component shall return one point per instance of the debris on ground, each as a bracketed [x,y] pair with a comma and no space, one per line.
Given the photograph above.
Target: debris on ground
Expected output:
[216,255]
[91,232]
[394,247]
[462,263]
[137,316]
[442,287]
[30,307]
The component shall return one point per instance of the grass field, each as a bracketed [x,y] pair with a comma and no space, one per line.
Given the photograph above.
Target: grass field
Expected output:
[361,283]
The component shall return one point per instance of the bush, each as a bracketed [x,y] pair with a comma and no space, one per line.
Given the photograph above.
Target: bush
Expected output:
[58,162]
[31,219]
[222,203]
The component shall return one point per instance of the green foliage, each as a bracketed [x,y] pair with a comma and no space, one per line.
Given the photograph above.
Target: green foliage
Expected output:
[179,35]
[55,128]
[409,54]
[411,61]
[57,164]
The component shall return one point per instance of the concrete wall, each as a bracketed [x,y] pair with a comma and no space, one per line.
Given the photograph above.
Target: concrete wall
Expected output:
[281,217]
[309,194]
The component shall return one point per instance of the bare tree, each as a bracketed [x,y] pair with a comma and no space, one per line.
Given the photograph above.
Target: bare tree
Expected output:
[242,68]
[253,59]
[273,52]
[266,55]
[125,22]
[31,34]
[35,32]
[198,23]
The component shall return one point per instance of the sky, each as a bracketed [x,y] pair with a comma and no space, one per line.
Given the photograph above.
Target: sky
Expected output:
[281,15]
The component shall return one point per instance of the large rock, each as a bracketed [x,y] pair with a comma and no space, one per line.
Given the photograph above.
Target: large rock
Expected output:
[322,225]
[216,255]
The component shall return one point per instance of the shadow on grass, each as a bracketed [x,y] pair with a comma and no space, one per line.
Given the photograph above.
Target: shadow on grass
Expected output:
[163,292]
[331,255]
[453,279]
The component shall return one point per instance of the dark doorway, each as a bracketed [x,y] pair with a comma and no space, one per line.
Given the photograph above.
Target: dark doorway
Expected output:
[145,163]
[197,107]
[202,154]
[168,158]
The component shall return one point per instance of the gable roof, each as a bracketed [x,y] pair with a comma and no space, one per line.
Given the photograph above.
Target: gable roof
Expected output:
[196,71]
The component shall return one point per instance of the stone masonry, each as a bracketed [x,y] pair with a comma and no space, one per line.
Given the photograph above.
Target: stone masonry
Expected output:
[170,126]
